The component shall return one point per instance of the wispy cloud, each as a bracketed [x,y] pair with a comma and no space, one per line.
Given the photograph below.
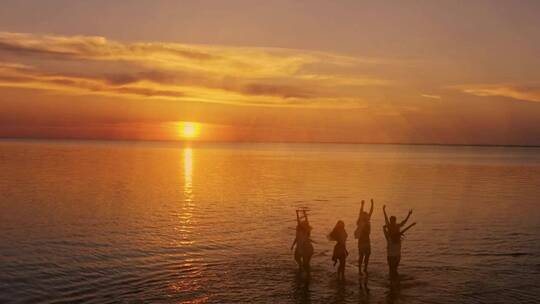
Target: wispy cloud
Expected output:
[519,92]
[214,74]
[430,96]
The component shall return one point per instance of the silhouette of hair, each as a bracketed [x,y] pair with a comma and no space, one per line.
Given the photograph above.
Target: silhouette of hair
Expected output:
[338,232]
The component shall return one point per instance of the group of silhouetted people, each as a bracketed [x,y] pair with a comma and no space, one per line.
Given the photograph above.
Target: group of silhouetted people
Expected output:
[393,232]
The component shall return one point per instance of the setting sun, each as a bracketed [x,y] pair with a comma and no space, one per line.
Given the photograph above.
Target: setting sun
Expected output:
[189,130]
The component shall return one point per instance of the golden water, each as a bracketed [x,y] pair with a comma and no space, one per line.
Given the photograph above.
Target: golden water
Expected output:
[102,222]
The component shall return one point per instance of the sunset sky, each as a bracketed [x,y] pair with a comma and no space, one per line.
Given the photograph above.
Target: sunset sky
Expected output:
[449,72]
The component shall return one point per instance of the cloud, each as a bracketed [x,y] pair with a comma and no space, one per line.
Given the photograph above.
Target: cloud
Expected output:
[181,72]
[93,47]
[519,92]
[430,96]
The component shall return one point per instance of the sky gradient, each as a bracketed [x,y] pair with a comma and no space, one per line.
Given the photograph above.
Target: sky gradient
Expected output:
[455,72]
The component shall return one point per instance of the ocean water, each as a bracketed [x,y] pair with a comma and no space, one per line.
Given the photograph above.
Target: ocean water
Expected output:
[106,222]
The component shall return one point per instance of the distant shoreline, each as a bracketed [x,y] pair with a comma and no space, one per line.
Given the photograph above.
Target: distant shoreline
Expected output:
[39,139]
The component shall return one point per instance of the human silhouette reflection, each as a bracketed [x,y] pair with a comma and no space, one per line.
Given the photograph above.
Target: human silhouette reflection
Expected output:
[341,294]
[394,291]
[363,290]
[302,294]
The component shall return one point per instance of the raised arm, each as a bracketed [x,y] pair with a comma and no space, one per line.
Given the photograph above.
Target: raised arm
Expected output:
[297,217]
[294,243]
[408,227]
[305,215]
[385,231]
[371,209]
[361,209]
[406,219]
[385,216]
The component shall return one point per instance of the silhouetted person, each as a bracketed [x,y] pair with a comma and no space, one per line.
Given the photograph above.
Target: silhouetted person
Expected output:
[339,235]
[363,229]
[393,234]
[304,248]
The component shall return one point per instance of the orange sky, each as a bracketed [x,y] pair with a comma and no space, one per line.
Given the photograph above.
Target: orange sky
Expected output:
[316,71]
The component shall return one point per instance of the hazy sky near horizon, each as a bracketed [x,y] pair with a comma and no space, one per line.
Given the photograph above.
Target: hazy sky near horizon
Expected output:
[332,71]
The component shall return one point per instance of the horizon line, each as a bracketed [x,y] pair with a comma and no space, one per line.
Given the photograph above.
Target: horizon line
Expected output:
[67,139]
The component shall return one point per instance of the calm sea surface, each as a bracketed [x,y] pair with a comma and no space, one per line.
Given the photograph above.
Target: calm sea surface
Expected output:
[101,222]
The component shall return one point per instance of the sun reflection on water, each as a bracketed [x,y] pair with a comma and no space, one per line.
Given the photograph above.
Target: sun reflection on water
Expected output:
[186,212]
[188,174]
[192,265]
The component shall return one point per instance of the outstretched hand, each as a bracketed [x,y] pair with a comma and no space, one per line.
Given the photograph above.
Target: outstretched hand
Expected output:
[410,211]
[362,202]
[384,207]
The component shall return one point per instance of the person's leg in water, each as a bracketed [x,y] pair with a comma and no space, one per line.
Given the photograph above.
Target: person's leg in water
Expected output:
[341,269]
[390,263]
[336,260]
[360,262]
[298,259]
[396,265]
[366,261]
[306,264]
[393,263]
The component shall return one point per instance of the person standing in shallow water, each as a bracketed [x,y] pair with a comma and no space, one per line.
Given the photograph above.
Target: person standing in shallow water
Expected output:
[339,235]
[393,234]
[304,248]
[362,232]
